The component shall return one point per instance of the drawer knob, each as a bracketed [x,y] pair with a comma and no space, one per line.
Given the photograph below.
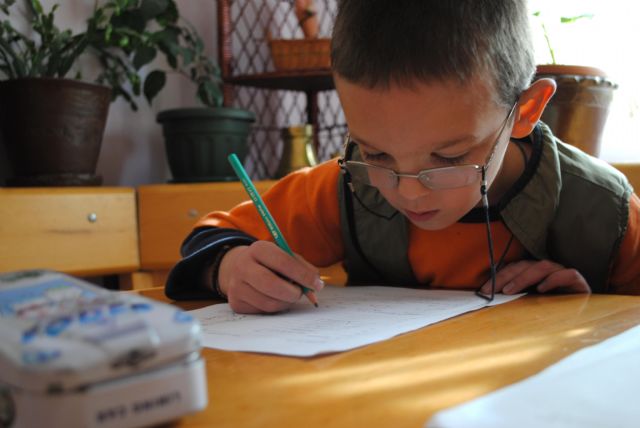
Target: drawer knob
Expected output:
[92,217]
[193,213]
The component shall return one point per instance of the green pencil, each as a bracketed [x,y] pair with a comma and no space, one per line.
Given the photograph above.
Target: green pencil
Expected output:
[266,216]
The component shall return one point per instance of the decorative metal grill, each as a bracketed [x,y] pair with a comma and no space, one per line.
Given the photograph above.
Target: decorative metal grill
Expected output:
[245,29]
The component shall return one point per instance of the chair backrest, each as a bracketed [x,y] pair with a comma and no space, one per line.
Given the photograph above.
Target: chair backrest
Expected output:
[632,171]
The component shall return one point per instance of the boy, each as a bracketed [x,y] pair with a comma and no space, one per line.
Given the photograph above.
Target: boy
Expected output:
[440,107]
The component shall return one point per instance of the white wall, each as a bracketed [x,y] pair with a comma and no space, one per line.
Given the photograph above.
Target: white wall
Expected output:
[132,150]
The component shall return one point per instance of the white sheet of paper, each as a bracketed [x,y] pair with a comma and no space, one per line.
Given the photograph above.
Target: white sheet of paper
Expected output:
[347,317]
[594,387]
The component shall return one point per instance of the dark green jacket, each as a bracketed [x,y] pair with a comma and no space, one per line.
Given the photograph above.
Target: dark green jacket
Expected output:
[573,210]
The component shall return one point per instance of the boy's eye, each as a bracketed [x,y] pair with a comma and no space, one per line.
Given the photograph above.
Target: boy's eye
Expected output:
[374,157]
[455,160]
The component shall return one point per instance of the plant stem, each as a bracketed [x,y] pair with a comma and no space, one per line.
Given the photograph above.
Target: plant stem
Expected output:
[546,37]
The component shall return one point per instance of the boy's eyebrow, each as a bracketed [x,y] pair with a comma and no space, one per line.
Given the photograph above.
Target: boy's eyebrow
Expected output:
[444,145]
[360,141]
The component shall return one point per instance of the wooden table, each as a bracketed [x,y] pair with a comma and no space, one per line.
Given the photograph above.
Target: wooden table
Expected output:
[401,382]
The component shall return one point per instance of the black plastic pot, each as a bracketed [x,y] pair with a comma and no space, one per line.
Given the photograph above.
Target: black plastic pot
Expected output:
[198,141]
[52,130]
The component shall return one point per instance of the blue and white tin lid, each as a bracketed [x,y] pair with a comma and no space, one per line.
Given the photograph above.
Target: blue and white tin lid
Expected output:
[60,334]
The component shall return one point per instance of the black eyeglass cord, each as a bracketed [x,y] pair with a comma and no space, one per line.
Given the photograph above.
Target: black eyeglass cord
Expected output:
[363,205]
[485,205]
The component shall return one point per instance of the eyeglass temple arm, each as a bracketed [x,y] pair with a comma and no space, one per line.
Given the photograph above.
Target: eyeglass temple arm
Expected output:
[346,154]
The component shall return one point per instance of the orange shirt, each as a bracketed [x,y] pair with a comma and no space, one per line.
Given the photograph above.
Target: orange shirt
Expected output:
[305,206]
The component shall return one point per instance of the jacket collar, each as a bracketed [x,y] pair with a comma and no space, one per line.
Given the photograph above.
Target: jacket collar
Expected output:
[529,213]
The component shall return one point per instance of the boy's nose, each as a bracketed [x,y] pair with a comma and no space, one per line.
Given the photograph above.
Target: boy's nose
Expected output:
[410,188]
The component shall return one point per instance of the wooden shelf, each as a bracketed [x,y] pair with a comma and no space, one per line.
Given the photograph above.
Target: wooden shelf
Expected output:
[298,80]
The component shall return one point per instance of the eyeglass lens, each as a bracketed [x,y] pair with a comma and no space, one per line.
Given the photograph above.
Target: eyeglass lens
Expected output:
[436,179]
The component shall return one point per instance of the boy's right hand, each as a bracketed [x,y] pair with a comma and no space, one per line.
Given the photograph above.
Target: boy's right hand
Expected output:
[248,275]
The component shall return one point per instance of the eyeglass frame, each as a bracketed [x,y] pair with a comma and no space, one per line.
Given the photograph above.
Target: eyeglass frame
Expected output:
[342,162]
[397,175]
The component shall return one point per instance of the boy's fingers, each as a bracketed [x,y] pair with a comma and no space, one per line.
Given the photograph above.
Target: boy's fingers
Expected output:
[569,280]
[242,307]
[535,273]
[505,275]
[318,282]
[249,297]
[271,256]
[267,282]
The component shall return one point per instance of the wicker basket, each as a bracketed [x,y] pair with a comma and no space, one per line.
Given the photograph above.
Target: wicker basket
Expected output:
[300,54]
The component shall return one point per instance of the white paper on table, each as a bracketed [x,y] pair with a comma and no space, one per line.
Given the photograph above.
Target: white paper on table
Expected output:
[595,387]
[347,317]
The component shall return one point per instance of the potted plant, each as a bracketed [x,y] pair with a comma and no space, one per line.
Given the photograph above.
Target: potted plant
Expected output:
[199,139]
[578,110]
[51,118]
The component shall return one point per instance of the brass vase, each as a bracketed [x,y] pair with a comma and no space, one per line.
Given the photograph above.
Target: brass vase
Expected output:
[297,150]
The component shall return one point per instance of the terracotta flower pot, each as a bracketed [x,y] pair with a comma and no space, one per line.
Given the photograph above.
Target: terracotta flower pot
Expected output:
[52,130]
[578,110]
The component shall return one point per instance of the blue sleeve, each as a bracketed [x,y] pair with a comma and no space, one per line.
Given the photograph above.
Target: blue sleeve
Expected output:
[198,251]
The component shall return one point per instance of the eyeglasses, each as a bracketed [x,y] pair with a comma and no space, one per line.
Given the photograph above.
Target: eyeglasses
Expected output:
[435,179]
[442,178]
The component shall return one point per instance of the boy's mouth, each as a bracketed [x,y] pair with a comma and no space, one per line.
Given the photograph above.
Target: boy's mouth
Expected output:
[421,216]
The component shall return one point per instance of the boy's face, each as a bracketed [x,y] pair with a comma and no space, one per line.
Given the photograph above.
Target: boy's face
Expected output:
[427,126]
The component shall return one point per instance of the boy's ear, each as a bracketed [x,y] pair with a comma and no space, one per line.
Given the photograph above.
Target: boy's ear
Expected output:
[531,105]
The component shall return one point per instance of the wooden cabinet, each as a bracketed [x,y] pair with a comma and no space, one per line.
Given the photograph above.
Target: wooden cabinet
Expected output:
[87,231]
[168,212]
[97,231]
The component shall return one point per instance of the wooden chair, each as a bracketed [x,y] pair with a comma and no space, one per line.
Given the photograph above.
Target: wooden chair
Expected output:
[632,171]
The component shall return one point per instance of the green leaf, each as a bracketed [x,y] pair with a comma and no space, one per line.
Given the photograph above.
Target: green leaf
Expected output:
[166,37]
[123,42]
[143,56]
[107,33]
[209,94]
[570,19]
[153,84]
[187,56]
[130,19]
[152,8]
[36,6]
[173,61]
[169,16]
[19,67]
[73,50]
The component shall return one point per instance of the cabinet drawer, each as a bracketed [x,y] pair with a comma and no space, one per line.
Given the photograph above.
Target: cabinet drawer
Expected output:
[167,214]
[82,231]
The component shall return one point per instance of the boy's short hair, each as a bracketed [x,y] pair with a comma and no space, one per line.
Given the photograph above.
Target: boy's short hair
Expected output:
[377,43]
